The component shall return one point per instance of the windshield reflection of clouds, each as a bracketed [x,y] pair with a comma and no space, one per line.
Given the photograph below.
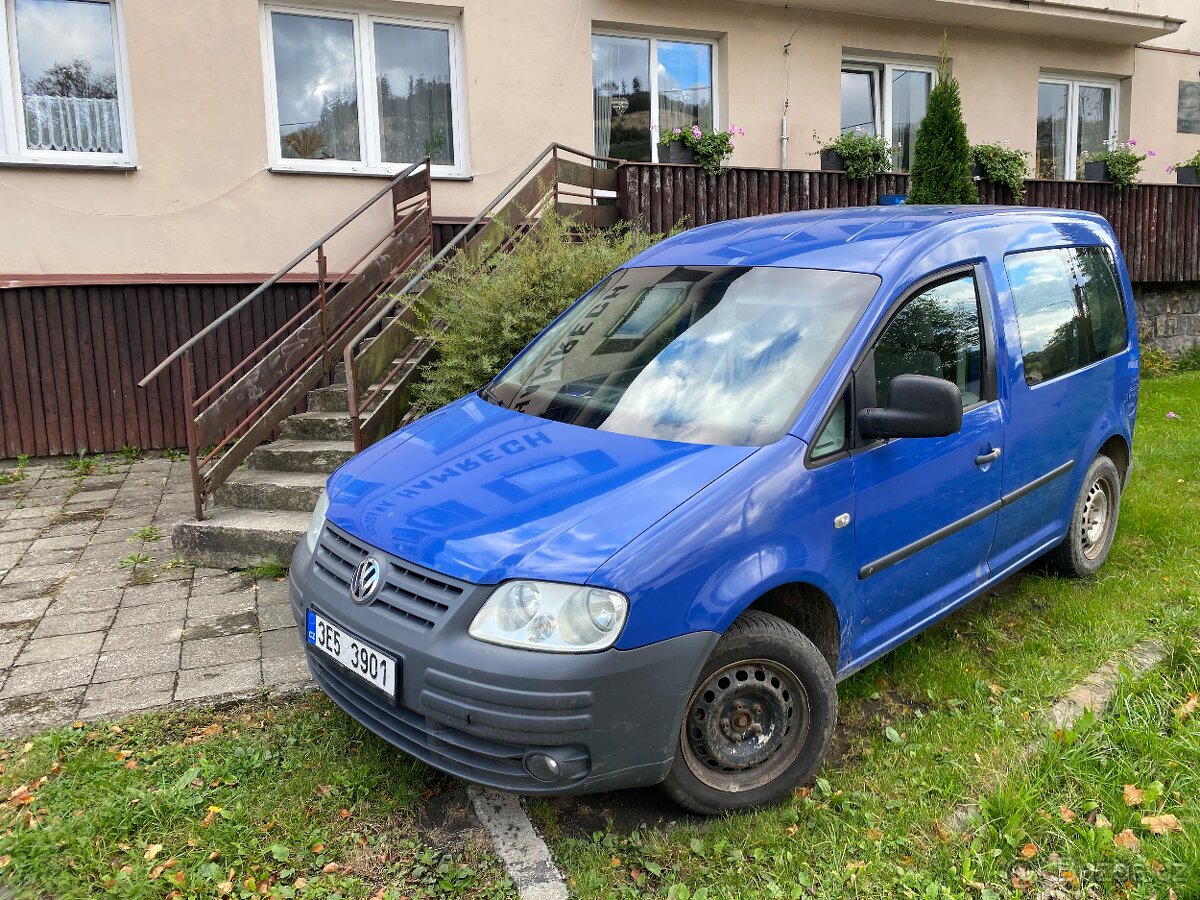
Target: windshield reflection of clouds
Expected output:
[730,364]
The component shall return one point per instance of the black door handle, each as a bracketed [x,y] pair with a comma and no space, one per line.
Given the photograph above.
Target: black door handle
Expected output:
[985,458]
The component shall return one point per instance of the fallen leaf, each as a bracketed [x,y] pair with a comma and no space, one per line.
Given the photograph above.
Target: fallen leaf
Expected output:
[1068,814]
[1188,707]
[344,813]
[330,868]
[5,860]
[300,883]
[1029,851]
[1102,822]
[208,819]
[1127,840]
[156,872]
[317,848]
[179,877]
[874,834]
[225,887]
[1163,824]
[1133,795]
[324,789]
[152,851]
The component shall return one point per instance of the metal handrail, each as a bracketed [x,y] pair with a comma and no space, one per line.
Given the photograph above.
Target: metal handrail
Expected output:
[418,346]
[313,247]
[467,229]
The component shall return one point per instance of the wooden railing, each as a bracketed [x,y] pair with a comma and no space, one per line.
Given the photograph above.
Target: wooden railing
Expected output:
[384,360]
[1158,225]
[247,404]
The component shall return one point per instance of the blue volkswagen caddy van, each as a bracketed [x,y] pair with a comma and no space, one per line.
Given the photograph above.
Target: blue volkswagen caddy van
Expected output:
[746,464]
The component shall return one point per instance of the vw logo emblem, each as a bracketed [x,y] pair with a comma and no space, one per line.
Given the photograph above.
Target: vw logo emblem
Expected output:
[365,580]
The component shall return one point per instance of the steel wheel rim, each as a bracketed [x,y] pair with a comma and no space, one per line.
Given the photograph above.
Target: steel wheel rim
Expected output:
[1096,519]
[745,725]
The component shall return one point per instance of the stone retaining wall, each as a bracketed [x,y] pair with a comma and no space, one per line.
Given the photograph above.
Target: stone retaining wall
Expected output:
[1169,315]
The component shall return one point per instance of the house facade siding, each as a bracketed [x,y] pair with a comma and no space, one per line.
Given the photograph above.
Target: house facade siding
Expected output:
[197,195]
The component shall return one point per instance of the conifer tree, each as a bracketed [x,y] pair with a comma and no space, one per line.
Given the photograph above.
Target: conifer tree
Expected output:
[941,166]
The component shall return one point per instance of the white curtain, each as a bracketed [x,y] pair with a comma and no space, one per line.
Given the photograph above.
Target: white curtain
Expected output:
[604,75]
[72,123]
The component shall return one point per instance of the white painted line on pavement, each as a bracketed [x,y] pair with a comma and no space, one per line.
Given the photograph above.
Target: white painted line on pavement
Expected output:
[524,853]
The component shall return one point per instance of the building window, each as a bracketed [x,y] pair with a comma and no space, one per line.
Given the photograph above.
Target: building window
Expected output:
[888,99]
[64,83]
[1074,118]
[355,92]
[634,102]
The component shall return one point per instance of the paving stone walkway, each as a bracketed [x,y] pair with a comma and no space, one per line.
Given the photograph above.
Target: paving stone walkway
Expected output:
[84,637]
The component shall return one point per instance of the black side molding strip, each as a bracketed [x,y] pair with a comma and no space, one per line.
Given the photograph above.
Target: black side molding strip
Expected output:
[896,556]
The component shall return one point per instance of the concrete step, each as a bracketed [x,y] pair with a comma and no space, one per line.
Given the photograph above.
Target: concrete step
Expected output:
[291,455]
[328,399]
[318,426]
[256,489]
[234,538]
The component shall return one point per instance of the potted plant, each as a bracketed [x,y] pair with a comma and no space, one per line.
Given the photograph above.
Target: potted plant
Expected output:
[858,154]
[1187,171]
[697,146]
[1000,164]
[1118,162]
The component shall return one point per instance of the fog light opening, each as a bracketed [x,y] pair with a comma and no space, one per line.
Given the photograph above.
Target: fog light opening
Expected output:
[543,767]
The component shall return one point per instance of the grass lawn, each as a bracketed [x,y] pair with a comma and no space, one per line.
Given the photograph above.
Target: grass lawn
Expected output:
[292,799]
[283,800]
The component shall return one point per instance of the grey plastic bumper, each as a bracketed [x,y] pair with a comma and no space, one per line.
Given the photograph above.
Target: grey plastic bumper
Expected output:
[475,710]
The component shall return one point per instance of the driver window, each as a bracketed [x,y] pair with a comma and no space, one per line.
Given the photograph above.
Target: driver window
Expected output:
[938,333]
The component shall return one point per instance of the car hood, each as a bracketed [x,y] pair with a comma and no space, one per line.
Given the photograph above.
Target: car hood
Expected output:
[483,493]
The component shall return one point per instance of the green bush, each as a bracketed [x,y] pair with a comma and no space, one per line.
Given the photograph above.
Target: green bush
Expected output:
[862,154]
[941,166]
[491,310]
[1002,165]
[1124,162]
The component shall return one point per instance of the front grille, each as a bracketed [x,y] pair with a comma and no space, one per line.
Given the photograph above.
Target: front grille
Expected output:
[449,749]
[415,596]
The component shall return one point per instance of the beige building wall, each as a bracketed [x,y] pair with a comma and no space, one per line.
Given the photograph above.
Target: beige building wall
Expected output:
[202,200]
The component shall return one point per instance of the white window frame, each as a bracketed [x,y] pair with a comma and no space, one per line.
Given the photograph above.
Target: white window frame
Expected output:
[13,148]
[1071,163]
[369,137]
[881,70]
[654,38]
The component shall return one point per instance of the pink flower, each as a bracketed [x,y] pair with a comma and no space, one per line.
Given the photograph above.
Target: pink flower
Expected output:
[696,133]
[1172,415]
[678,131]
[1132,142]
[1170,169]
[741,131]
[1151,153]
[733,129]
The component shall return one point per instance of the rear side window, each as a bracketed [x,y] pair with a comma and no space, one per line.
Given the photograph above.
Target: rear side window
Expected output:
[1069,309]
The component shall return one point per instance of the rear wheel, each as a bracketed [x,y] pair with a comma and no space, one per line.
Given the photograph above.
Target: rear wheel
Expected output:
[758,722]
[1093,522]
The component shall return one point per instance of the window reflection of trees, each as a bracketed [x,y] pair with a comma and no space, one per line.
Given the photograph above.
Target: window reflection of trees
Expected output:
[937,333]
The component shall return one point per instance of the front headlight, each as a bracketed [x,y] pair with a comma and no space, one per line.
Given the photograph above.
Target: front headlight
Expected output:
[543,615]
[318,522]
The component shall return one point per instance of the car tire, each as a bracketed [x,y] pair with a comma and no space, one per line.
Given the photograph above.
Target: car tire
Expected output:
[758,722]
[1093,523]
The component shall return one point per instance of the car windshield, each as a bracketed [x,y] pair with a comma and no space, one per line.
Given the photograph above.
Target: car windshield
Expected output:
[696,354]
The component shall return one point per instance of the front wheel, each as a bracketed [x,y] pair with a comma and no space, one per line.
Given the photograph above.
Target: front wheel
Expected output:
[1093,522]
[758,722]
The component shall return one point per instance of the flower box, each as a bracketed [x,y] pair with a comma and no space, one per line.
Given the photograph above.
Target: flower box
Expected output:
[676,153]
[1096,171]
[831,161]
[1187,175]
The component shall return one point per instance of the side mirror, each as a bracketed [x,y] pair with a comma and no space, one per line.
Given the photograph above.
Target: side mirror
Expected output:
[918,406]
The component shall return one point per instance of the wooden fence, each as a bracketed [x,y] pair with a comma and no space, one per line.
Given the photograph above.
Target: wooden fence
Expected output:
[1158,225]
[70,358]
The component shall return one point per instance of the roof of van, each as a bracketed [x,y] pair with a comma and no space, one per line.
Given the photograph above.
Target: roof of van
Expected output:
[852,239]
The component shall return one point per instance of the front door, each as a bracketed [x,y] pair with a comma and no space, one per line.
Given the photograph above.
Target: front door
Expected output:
[925,507]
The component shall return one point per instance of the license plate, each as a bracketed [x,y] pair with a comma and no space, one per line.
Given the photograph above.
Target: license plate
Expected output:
[368,663]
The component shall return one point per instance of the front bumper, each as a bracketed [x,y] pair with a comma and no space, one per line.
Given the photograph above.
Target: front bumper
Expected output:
[478,711]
